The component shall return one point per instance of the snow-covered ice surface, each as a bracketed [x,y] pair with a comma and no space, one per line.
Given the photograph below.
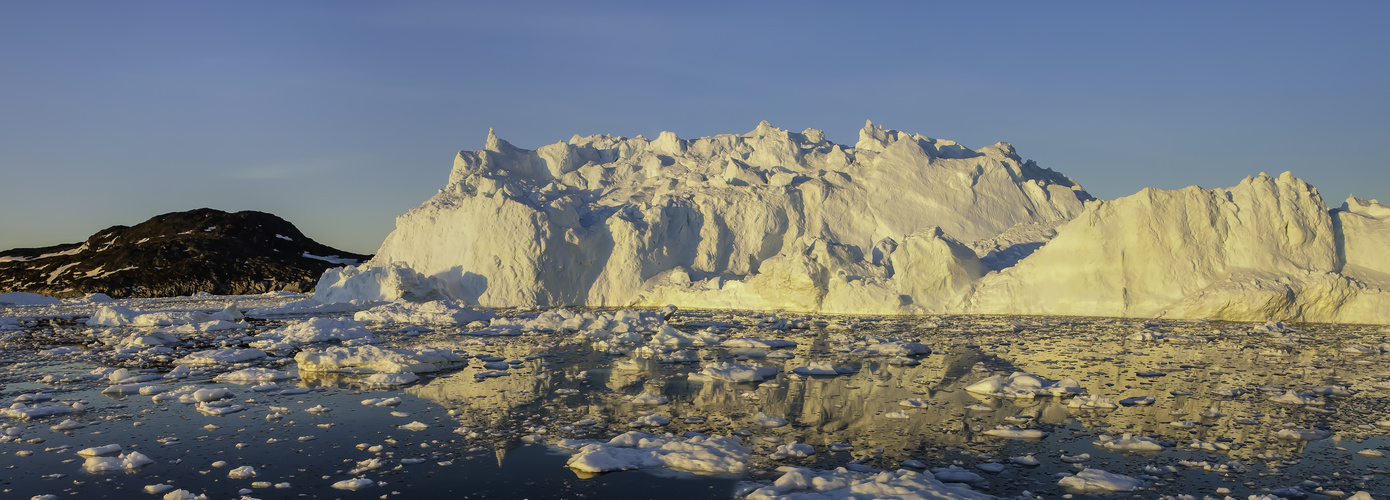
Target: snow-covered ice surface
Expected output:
[446,409]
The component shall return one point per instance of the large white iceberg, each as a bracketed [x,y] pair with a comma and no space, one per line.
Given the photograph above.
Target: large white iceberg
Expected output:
[898,223]
[767,219]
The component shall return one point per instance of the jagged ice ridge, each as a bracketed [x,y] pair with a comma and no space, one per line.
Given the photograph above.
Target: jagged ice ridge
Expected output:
[899,223]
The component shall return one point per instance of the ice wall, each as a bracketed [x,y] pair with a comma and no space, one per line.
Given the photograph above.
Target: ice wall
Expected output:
[769,219]
[1265,249]
[899,223]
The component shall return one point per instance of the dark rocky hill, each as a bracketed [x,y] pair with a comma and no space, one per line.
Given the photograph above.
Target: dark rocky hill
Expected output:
[178,253]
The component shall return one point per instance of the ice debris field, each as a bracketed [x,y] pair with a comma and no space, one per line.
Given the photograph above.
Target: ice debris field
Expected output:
[278,395]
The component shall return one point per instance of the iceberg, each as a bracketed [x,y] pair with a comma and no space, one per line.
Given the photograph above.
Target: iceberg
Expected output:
[898,223]
[766,220]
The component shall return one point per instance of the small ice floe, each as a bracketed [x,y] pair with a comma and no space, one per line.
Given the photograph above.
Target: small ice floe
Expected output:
[1137,401]
[669,336]
[979,408]
[243,472]
[25,412]
[381,402]
[635,450]
[1011,432]
[652,420]
[367,358]
[213,357]
[896,415]
[218,408]
[991,467]
[1127,442]
[100,451]
[1182,424]
[891,347]
[793,450]
[318,409]
[1091,402]
[389,379]
[734,372]
[647,398]
[1024,386]
[353,484]
[1099,481]
[1227,392]
[1026,460]
[252,376]
[125,461]
[798,482]
[1075,459]
[437,312]
[415,426]
[183,495]
[821,369]
[1371,453]
[1302,434]
[67,425]
[766,420]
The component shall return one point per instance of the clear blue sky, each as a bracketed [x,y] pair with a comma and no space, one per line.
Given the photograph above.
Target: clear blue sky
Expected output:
[340,115]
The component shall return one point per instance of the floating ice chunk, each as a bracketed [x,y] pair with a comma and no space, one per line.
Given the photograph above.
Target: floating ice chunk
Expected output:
[812,369]
[1011,432]
[1099,481]
[371,358]
[67,425]
[897,415]
[155,489]
[183,495]
[1091,401]
[766,420]
[353,484]
[671,337]
[415,426]
[652,420]
[320,329]
[806,484]
[221,356]
[992,467]
[100,451]
[1025,386]
[243,472]
[252,376]
[1127,442]
[635,450]
[381,402]
[1303,434]
[1371,453]
[758,343]
[389,379]
[735,372]
[25,412]
[126,461]
[647,398]
[793,450]
[1027,460]
[438,312]
[218,408]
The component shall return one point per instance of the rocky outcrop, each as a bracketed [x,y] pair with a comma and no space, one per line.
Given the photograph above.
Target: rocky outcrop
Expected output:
[179,253]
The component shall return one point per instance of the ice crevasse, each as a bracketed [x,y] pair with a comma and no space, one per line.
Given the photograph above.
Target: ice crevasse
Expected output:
[898,223]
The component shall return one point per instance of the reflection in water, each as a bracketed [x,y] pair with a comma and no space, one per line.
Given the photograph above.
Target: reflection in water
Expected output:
[1203,390]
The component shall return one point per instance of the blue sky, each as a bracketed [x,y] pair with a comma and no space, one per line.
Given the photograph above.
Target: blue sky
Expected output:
[341,115]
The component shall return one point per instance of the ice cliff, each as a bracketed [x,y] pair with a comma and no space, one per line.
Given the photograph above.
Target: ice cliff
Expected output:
[1267,248]
[898,223]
